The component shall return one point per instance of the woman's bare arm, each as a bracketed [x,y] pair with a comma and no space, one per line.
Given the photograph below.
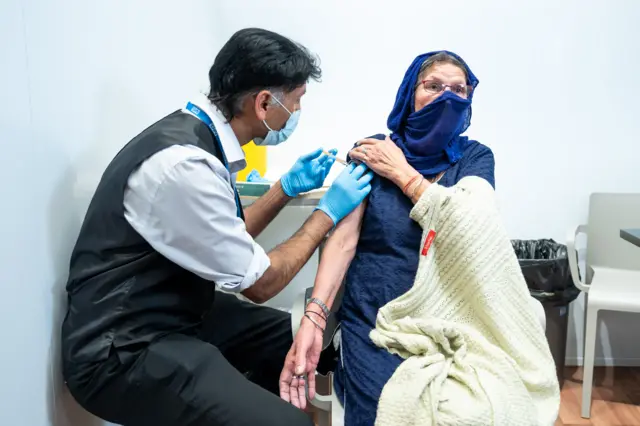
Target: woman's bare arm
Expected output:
[336,257]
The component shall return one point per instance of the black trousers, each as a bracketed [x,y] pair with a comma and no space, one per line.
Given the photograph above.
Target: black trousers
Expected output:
[229,376]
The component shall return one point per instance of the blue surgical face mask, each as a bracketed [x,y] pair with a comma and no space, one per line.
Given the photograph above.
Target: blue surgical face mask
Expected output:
[275,137]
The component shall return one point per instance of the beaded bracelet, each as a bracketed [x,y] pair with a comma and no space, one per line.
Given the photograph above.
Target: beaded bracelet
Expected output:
[320,303]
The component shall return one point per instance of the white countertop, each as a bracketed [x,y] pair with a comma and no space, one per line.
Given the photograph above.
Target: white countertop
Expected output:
[308,199]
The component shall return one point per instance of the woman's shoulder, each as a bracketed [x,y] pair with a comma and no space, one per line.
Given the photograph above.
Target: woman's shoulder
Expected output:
[475,149]
[379,136]
[477,160]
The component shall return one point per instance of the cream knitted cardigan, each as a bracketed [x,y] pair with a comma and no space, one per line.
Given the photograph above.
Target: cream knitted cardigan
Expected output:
[475,353]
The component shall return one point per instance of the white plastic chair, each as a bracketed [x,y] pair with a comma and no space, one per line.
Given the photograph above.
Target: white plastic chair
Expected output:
[328,408]
[613,270]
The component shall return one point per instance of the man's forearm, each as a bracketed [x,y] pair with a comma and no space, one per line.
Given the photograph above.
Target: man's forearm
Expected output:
[260,214]
[289,257]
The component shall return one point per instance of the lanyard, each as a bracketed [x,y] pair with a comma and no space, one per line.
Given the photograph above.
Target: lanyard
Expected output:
[202,116]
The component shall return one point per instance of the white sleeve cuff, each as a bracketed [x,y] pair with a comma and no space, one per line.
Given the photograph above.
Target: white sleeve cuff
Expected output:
[260,262]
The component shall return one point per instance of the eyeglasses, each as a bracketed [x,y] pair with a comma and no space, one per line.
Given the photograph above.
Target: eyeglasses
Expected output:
[435,87]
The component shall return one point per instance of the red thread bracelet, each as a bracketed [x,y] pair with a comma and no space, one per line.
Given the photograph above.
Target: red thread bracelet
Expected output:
[404,190]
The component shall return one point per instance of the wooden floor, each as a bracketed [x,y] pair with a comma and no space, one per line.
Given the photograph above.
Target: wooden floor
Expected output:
[615,399]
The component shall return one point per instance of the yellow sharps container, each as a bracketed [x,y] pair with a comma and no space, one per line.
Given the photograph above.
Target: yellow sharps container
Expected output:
[256,159]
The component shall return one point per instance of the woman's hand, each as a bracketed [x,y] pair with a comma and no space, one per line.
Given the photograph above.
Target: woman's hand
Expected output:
[303,358]
[385,159]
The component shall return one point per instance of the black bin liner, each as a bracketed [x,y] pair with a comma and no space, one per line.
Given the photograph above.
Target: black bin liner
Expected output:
[545,267]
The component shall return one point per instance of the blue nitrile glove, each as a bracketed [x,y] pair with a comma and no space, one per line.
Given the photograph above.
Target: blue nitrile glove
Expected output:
[254,176]
[347,192]
[308,173]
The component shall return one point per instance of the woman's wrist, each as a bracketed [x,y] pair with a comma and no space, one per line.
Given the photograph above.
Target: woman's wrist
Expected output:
[417,192]
[315,315]
[403,176]
[314,321]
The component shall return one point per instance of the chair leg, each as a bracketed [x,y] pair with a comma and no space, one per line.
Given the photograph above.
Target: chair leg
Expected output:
[589,356]
[323,402]
[323,418]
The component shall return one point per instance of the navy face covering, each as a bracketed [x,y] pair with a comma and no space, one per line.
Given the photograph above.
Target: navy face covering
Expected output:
[429,130]
[430,138]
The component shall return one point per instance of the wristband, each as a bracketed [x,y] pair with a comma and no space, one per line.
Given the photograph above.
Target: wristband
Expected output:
[320,303]
[404,190]
[413,193]
[318,326]
[316,313]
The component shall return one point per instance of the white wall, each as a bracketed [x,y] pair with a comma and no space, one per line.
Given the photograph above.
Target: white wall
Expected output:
[557,100]
[556,103]
[78,79]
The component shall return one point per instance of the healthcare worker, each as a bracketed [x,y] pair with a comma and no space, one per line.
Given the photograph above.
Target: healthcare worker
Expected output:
[146,339]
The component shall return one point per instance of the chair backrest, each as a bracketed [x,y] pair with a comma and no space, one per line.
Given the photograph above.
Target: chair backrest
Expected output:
[608,213]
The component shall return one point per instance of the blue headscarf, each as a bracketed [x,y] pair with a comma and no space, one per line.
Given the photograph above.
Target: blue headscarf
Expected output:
[430,138]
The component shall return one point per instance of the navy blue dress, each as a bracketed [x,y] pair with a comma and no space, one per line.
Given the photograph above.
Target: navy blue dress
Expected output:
[383,269]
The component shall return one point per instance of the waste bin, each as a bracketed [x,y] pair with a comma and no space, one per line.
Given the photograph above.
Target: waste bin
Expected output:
[545,267]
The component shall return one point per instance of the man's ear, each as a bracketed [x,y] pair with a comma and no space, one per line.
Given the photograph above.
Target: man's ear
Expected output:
[261,103]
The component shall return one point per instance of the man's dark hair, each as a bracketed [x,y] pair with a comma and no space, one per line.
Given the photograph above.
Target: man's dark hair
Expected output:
[253,60]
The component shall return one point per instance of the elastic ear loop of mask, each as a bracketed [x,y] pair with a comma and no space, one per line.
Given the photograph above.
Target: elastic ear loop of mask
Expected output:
[282,105]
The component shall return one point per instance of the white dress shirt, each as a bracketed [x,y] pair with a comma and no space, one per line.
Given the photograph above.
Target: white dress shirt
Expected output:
[181,201]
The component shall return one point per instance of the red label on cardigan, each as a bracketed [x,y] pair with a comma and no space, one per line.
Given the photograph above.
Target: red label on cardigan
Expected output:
[428,241]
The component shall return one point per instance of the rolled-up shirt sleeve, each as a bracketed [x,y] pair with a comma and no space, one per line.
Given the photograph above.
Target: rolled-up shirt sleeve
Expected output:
[191,219]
